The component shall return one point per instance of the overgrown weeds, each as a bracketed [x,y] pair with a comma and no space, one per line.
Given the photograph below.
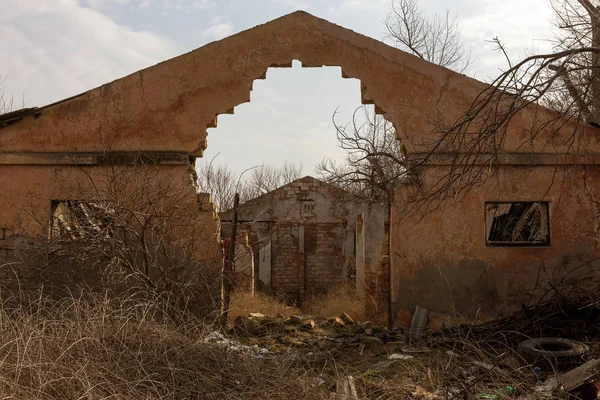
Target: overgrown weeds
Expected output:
[335,302]
[331,304]
[95,347]
[244,303]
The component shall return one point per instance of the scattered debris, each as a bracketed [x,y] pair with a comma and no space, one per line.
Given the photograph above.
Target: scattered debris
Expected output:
[573,379]
[487,361]
[484,365]
[346,318]
[336,322]
[420,392]
[419,321]
[589,391]
[398,356]
[220,340]
[553,350]
[349,389]
[383,365]
[307,324]
[416,350]
[319,381]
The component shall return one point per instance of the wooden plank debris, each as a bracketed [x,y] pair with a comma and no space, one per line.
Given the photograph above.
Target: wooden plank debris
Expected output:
[349,389]
[572,379]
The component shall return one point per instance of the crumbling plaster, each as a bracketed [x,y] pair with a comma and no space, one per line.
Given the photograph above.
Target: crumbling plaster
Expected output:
[179,98]
[441,261]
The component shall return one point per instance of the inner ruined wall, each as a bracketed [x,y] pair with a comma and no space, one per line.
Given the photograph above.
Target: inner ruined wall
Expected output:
[307,228]
[441,261]
[307,259]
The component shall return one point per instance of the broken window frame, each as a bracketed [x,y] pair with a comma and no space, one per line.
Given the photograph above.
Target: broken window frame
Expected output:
[544,213]
[88,223]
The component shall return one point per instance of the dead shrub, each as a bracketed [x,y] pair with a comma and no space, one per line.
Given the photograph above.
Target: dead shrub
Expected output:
[335,302]
[131,232]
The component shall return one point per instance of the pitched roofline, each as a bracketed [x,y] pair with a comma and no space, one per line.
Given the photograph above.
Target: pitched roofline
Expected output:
[306,177]
[296,14]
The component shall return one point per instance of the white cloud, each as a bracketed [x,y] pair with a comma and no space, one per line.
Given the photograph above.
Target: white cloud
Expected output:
[189,5]
[203,4]
[58,48]
[218,29]
[293,4]
[520,32]
[99,4]
[362,4]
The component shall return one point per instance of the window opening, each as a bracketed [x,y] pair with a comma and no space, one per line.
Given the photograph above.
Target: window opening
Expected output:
[517,224]
[79,219]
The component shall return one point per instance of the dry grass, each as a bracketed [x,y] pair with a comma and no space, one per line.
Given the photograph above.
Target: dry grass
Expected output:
[336,302]
[242,303]
[330,304]
[97,348]
[101,348]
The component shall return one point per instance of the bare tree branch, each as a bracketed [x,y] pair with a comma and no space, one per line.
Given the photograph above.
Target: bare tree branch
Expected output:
[373,162]
[435,39]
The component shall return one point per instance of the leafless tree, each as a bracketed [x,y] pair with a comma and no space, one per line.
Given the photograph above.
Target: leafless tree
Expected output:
[223,183]
[266,178]
[565,79]
[6,105]
[134,231]
[570,78]
[373,161]
[220,181]
[435,39]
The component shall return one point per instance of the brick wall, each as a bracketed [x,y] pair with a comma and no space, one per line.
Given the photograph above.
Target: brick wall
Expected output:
[286,261]
[310,227]
[324,256]
[321,258]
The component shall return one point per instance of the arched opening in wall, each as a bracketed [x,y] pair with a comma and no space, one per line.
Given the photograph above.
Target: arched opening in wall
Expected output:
[311,157]
[300,121]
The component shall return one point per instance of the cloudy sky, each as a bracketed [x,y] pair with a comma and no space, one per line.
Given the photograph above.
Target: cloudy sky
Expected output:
[53,49]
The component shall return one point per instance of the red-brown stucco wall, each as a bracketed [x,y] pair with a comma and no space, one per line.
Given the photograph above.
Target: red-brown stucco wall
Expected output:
[441,261]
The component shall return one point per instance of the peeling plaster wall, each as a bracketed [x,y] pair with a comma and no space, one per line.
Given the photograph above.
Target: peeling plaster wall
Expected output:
[193,226]
[442,263]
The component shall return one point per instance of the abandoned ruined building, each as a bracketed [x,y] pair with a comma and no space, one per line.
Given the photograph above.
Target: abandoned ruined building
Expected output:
[307,237]
[480,252]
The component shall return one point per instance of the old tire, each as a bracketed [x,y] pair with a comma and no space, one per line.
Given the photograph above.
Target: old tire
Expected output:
[558,352]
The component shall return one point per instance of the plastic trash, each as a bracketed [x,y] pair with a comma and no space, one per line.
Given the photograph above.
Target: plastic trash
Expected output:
[398,356]
[488,396]
[419,320]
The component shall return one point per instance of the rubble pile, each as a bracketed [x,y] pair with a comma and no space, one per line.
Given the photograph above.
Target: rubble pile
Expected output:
[544,352]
